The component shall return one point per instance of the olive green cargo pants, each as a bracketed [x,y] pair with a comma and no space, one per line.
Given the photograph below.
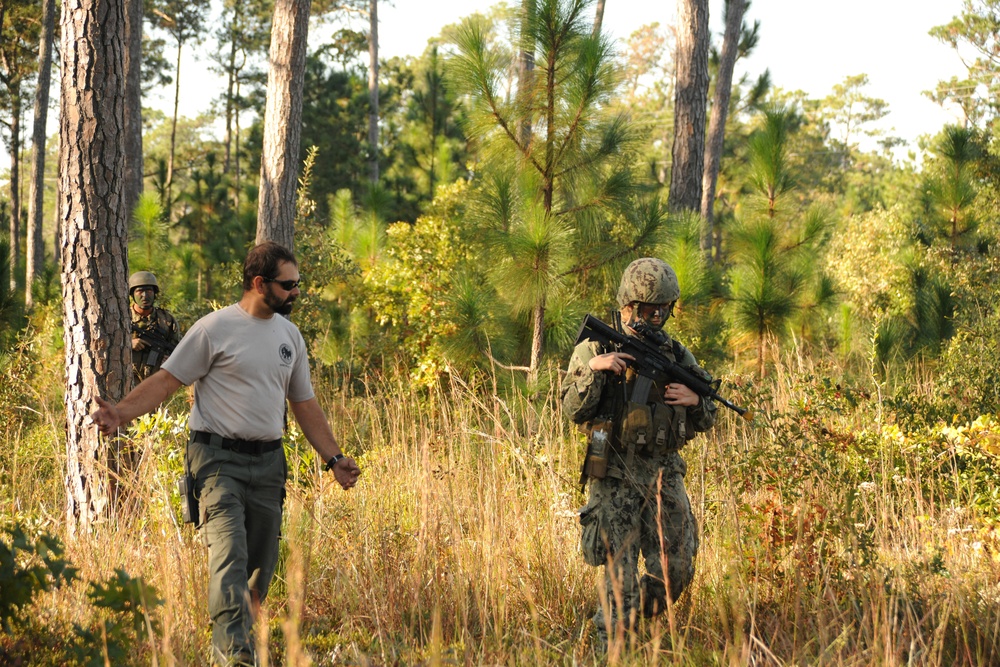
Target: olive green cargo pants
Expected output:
[240,500]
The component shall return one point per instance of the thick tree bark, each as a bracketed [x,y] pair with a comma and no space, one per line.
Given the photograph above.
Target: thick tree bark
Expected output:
[94,241]
[15,185]
[279,164]
[690,102]
[373,92]
[133,105]
[36,249]
[717,120]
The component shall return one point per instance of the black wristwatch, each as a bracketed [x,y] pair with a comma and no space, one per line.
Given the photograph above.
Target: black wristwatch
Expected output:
[334,460]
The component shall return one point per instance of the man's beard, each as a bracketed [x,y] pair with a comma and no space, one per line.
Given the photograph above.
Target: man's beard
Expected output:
[279,306]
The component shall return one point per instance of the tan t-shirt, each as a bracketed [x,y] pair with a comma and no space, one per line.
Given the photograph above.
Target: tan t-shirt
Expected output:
[242,369]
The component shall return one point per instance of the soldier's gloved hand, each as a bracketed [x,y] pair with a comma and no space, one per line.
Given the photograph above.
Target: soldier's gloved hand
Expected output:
[139,344]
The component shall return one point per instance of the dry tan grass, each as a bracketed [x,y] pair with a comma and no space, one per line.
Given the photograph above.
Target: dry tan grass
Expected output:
[460,546]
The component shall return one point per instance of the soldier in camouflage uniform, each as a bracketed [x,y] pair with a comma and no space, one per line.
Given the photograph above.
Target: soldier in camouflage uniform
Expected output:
[640,506]
[162,334]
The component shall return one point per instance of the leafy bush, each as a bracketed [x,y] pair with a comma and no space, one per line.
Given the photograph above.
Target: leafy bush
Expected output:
[33,562]
[123,620]
[29,564]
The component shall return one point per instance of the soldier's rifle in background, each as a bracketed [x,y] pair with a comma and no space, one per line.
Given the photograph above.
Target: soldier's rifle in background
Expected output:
[158,345]
[651,364]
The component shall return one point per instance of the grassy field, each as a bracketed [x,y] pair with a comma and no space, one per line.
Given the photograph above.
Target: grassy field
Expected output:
[835,530]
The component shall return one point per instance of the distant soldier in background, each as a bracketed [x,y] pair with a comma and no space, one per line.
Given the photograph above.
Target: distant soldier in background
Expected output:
[155,333]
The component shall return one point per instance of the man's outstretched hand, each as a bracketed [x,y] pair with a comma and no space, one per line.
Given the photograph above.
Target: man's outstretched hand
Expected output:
[107,418]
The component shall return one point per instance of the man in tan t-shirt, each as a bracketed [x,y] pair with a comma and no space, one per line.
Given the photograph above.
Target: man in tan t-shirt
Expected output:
[243,361]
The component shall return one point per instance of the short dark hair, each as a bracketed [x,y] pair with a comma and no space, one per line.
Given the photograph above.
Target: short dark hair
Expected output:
[263,260]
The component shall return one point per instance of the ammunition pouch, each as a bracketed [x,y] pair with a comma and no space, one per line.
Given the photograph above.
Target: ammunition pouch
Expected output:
[637,428]
[654,428]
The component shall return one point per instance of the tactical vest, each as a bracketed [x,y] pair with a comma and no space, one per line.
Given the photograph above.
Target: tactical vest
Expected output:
[642,425]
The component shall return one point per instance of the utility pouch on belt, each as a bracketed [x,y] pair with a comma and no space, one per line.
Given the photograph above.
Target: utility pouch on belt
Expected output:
[188,494]
[595,465]
[189,500]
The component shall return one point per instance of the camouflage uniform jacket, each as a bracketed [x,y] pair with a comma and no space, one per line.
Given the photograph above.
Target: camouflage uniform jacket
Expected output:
[161,324]
[589,396]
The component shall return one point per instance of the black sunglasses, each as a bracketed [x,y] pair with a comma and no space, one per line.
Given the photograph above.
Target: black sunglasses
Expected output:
[287,285]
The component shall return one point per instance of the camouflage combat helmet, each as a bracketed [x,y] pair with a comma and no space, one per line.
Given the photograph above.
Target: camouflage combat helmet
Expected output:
[142,279]
[648,280]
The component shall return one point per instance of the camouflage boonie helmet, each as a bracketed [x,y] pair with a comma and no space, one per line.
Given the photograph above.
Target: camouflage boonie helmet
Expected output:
[142,279]
[648,280]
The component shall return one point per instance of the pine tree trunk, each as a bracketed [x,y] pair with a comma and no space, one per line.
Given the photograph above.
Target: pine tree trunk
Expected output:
[173,132]
[231,85]
[525,74]
[598,17]
[717,121]
[36,249]
[56,216]
[537,341]
[15,185]
[94,241]
[279,164]
[373,108]
[133,105]
[236,155]
[690,102]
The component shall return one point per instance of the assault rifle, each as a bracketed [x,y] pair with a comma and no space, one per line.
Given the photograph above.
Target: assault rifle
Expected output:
[158,345]
[651,364]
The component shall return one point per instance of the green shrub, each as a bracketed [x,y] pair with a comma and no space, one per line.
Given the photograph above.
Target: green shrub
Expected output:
[29,564]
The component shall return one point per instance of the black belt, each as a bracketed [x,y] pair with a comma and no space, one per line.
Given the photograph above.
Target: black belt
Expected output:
[256,447]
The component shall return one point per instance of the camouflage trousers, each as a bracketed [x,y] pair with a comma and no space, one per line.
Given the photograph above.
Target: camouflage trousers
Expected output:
[645,513]
[240,498]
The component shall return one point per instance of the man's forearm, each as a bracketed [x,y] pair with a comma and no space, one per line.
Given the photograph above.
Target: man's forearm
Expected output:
[312,420]
[148,395]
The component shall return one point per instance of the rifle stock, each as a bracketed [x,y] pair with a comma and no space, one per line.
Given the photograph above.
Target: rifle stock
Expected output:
[651,363]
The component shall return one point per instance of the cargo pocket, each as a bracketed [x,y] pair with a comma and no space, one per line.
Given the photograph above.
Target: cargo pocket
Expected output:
[592,539]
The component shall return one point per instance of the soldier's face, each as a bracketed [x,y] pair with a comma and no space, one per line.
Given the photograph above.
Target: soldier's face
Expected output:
[144,297]
[654,314]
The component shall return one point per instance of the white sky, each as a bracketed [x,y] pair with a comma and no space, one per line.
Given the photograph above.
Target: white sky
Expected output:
[807,45]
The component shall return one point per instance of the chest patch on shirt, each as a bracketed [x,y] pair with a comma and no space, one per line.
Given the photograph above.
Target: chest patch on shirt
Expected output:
[285,352]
